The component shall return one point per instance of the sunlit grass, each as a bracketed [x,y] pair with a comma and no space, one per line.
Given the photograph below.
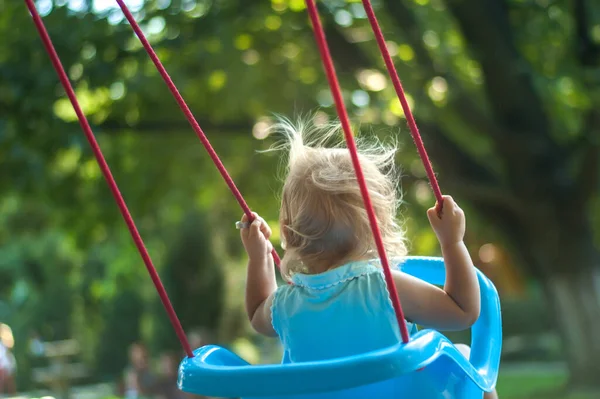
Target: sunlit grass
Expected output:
[537,386]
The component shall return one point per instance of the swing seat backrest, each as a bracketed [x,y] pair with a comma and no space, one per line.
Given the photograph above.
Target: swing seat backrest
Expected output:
[428,367]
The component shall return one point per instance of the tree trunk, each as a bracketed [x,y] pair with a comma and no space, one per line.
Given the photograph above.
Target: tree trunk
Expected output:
[559,249]
[576,306]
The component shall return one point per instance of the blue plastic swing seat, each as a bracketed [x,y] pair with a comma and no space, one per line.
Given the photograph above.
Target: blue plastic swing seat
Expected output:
[428,367]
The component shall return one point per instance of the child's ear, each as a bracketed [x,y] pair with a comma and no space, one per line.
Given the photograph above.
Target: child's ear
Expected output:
[284,235]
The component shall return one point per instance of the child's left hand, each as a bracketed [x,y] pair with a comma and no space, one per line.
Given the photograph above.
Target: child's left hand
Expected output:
[256,238]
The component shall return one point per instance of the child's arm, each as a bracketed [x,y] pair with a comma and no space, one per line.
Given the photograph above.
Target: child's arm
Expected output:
[457,306]
[261,282]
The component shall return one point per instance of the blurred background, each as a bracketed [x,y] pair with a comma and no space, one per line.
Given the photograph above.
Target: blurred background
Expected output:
[507,97]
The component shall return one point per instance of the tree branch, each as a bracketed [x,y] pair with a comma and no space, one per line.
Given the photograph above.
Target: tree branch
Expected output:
[516,104]
[486,28]
[517,108]
[113,126]
[459,101]
[468,178]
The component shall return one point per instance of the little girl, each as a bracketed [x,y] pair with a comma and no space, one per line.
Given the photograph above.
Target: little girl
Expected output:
[338,303]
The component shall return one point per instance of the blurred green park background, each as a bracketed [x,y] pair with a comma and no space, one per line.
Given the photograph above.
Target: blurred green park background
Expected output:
[506,94]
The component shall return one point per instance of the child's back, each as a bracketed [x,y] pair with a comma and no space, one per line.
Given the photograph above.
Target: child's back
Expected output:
[337,313]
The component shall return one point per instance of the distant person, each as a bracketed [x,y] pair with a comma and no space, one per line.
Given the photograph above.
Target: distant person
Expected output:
[197,338]
[139,381]
[8,364]
[36,345]
[167,379]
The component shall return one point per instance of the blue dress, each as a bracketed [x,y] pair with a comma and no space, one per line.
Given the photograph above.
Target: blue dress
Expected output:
[344,311]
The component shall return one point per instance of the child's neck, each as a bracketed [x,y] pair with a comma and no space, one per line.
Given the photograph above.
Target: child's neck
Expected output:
[323,265]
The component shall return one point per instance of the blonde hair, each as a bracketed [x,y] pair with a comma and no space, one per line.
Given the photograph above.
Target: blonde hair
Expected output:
[323,217]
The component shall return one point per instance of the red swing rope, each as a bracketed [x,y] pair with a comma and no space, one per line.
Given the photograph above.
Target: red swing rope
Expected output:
[345,120]
[139,243]
[414,130]
[190,117]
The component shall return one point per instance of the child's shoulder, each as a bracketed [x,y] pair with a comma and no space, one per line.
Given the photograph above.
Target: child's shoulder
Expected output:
[334,277]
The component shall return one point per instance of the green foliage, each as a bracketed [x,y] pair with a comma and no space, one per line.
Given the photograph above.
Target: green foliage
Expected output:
[506,95]
[121,328]
[194,277]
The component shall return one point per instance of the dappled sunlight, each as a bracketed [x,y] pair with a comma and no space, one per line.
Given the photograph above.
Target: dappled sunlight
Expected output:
[320,118]
[251,57]
[469,68]
[438,90]
[396,108]
[372,80]
[93,103]
[388,117]
[417,169]
[454,41]
[308,75]
[88,51]
[290,50]
[596,33]
[392,47]
[292,5]
[273,22]
[570,94]
[358,35]
[89,170]
[405,52]
[487,253]
[423,193]
[217,80]
[76,71]
[343,18]
[67,161]
[101,6]
[198,9]
[117,91]
[261,129]
[44,7]
[431,39]
[360,98]
[243,41]
[324,98]
[154,28]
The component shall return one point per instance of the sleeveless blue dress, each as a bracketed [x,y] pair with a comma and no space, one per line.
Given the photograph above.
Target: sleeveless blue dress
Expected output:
[342,312]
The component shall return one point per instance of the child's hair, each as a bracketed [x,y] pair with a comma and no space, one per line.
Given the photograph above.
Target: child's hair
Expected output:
[323,217]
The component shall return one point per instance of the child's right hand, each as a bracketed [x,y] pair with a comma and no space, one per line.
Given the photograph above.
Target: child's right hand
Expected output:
[256,238]
[449,227]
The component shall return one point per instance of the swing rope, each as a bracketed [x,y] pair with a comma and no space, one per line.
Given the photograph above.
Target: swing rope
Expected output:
[139,243]
[414,130]
[190,117]
[345,121]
